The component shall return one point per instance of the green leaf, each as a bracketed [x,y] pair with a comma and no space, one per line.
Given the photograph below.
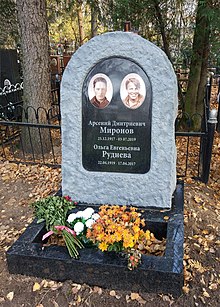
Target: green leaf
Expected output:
[40,221]
[53,210]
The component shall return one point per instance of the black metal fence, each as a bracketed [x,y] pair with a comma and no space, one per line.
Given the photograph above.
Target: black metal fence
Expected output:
[194,149]
[24,133]
[36,139]
[194,152]
[11,95]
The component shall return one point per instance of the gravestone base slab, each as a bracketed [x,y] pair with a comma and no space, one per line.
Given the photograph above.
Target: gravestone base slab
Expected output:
[108,270]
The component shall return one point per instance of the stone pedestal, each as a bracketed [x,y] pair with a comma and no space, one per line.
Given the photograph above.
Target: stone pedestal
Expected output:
[155,274]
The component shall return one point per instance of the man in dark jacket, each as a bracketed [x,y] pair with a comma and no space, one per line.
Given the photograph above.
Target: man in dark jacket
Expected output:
[100,89]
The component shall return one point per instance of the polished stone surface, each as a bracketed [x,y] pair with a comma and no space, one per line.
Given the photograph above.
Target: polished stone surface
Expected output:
[117,145]
[108,270]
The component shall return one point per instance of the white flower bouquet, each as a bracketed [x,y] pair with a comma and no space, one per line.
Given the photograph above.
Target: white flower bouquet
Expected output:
[81,221]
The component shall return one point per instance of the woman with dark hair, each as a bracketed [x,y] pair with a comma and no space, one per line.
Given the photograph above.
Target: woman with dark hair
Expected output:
[134,99]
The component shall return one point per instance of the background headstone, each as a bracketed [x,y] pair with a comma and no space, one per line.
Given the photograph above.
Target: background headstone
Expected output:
[9,66]
[9,75]
[115,154]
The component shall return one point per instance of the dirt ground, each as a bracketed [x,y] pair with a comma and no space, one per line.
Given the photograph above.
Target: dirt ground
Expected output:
[20,185]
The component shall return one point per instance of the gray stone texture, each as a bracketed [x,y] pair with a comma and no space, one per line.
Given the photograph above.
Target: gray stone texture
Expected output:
[153,189]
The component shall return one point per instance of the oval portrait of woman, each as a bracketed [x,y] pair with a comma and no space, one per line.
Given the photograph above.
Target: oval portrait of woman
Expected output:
[100,91]
[132,91]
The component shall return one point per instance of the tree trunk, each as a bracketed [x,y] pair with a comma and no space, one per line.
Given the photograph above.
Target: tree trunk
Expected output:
[165,42]
[162,29]
[194,101]
[80,22]
[94,17]
[204,68]
[36,75]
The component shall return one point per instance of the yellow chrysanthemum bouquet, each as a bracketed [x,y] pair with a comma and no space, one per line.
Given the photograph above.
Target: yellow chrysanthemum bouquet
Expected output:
[121,229]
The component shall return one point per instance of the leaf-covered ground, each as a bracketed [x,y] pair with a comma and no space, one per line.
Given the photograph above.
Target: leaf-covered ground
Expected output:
[20,185]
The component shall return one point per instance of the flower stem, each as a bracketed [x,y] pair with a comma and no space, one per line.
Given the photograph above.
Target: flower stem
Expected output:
[71,243]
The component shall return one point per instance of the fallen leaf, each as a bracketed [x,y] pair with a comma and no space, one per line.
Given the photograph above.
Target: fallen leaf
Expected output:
[141,300]
[97,290]
[202,280]
[213,286]
[10,296]
[55,304]
[36,287]
[112,293]
[205,231]
[44,283]
[205,293]
[127,297]
[197,199]
[196,265]
[56,286]
[51,283]
[211,250]
[197,246]
[78,286]
[185,289]
[5,178]
[203,300]
[134,296]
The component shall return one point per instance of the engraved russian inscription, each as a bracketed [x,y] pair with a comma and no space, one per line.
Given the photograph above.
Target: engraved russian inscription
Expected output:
[116,117]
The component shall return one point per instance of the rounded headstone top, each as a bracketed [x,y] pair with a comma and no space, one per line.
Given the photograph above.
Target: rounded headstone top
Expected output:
[121,44]
[145,131]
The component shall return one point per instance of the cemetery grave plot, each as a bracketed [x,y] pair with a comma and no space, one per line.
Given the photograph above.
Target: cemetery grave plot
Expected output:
[108,270]
[200,267]
[115,151]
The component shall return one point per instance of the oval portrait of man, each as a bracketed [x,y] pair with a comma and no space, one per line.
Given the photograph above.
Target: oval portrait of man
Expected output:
[132,91]
[100,91]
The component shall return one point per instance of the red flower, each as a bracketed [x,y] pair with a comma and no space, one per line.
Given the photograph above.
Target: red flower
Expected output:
[68,198]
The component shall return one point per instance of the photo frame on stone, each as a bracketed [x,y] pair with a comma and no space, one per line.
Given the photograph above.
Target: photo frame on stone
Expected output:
[100,91]
[110,129]
[132,91]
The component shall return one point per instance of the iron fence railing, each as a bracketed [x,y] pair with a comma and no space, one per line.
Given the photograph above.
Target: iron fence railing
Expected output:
[194,152]
[19,126]
[194,149]
[23,141]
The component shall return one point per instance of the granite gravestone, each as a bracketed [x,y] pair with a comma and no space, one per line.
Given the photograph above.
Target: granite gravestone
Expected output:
[118,113]
[118,107]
